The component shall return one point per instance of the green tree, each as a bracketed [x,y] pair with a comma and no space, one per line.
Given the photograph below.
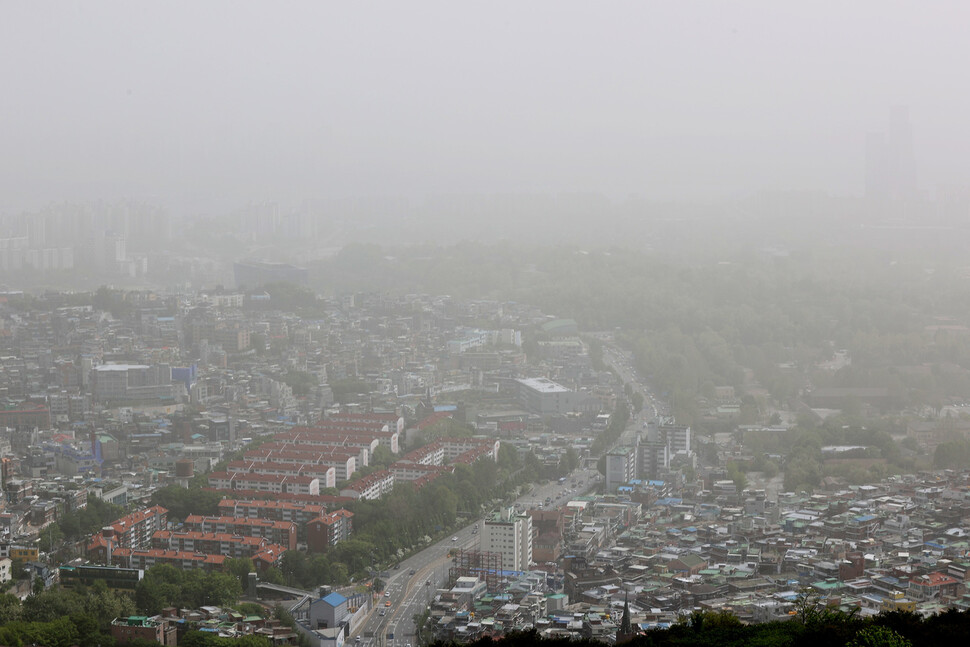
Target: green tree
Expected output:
[508,457]
[349,390]
[160,587]
[294,565]
[300,381]
[570,460]
[181,502]
[636,401]
[292,297]
[113,301]
[10,609]
[735,474]
[240,568]
[877,636]
[952,454]
[382,457]
[96,514]
[271,575]
[103,605]
[164,585]
[251,609]
[18,568]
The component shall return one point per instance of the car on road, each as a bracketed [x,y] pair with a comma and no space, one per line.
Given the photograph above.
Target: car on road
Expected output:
[387,594]
[454,539]
[383,611]
[387,604]
[412,572]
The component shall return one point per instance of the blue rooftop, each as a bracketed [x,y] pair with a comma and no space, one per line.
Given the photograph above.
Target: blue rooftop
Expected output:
[334,599]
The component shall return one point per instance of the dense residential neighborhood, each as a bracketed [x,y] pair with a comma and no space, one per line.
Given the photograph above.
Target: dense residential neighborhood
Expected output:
[278,427]
[451,324]
[284,422]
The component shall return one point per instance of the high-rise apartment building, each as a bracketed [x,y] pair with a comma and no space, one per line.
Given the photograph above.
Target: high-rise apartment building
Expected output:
[621,465]
[891,160]
[509,534]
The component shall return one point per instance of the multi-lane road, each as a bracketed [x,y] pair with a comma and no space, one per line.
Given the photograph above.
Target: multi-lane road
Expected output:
[622,363]
[411,585]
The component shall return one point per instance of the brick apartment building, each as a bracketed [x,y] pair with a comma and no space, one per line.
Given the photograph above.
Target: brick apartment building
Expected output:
[283,533]
[133,531]
[329,529]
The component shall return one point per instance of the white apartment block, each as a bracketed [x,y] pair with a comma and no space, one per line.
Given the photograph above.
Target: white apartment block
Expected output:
[510,535]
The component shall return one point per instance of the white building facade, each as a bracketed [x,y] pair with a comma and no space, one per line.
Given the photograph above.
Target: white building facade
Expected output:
[510,535]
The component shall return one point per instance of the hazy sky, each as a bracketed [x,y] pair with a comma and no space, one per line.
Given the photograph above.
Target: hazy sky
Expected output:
[200,101]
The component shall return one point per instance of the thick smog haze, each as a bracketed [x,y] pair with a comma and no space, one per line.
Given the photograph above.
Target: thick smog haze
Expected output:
[213,104]
[431,324]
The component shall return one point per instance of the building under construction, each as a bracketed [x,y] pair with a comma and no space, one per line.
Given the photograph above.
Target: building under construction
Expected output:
[476,563]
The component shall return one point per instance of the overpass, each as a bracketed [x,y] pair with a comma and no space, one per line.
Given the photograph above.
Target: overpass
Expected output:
[302,597]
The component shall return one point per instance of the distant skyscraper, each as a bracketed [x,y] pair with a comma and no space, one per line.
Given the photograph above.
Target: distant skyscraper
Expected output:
[891,160]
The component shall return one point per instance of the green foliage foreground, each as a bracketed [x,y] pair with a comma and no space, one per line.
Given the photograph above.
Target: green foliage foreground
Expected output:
[820,629]
[60,617]
[164,585]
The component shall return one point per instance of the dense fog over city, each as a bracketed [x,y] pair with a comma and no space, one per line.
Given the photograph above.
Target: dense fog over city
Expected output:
[426,324]
[204,107]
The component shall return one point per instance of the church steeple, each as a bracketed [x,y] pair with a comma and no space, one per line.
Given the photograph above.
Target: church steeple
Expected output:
[625,632]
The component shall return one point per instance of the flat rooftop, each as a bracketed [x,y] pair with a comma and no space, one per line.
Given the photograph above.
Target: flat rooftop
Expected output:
[543,385]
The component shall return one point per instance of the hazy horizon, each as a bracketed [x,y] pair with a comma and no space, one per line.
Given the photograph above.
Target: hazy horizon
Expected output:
[221,103]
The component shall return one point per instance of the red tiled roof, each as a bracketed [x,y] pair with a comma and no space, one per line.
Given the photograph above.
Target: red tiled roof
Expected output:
[322,499]
[157,553]
[194,519]
[933,579]
[274,505]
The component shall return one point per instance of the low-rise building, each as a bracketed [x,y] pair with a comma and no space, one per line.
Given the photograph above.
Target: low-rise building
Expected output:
[151,629]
